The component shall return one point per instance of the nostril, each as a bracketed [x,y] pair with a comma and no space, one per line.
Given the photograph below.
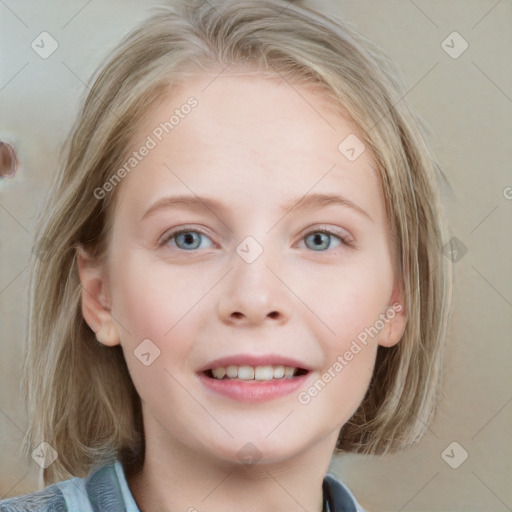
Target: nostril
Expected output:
[237,314]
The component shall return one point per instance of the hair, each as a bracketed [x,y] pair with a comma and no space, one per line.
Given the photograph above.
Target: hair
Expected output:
[79,393]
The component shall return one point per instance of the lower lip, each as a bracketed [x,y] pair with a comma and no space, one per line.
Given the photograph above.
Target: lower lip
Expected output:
[254,390]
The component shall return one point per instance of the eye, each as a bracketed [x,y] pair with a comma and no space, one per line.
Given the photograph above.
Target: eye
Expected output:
[320,240]
[186,239]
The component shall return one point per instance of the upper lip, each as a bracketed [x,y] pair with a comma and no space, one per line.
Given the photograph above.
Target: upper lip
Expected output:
[254,360]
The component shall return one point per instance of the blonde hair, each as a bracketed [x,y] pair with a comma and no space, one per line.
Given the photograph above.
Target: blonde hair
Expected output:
[79,393]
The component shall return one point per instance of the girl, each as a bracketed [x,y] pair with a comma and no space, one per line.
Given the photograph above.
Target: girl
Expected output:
[243,274]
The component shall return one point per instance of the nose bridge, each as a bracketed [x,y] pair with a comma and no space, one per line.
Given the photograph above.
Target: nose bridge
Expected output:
[253,291]
[251,264]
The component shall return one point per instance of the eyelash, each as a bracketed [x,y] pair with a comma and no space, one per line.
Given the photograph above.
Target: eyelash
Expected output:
[344,239]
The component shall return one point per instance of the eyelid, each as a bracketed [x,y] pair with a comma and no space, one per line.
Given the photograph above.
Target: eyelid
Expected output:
[171,233]
[345,237]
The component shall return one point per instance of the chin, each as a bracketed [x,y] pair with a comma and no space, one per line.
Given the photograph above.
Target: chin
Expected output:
[252,449]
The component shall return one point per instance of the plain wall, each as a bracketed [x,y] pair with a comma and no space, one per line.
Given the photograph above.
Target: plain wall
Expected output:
[467,104]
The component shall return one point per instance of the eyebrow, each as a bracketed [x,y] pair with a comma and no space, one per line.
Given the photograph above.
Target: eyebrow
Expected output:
[197,203]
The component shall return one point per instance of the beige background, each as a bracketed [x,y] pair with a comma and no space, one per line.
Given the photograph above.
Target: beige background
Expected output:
[466,102]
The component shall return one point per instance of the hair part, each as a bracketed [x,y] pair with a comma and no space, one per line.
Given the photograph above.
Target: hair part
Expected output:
[79,393]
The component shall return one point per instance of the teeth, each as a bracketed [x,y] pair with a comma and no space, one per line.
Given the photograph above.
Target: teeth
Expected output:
[278,372]
[232,372]
[219,373]
[288,372]
[263,373]
[245,372]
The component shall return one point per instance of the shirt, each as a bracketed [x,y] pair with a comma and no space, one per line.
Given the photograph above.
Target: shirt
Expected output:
[106,490]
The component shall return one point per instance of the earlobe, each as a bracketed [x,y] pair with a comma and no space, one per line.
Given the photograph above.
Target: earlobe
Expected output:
[394,326]
[108,335]
[94,298]
[395,319]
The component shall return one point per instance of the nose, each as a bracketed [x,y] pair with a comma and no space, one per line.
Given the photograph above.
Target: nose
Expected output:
[255,293]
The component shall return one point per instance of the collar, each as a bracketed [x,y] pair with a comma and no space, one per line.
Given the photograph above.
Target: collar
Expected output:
[107,489]
[337,498]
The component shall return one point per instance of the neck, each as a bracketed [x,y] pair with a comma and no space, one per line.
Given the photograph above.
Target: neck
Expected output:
[185,480]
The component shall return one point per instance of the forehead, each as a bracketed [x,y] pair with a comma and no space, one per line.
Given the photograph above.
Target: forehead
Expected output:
[248,135]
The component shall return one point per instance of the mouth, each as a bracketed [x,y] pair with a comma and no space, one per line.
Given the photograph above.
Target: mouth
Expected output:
[247,378]
[254,373]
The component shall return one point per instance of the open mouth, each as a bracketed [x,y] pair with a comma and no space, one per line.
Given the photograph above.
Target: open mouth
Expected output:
[254,373]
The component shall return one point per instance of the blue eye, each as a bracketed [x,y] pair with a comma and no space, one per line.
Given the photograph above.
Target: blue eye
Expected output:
[321,240]
[192,240]
[188,240]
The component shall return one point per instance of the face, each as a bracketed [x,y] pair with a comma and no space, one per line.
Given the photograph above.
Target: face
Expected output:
[273,266]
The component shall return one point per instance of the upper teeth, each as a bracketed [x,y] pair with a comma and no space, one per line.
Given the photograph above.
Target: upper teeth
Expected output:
[254,372]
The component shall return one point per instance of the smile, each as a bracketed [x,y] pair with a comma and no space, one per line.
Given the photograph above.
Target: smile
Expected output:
[257,373]
[250,378]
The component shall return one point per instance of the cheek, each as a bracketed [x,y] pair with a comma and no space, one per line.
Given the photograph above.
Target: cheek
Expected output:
[339,389]
[352,301]
[149,295]
[341,384]
[155,306]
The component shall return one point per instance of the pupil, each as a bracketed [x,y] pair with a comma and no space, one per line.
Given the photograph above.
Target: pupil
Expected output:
[188,238]
[319,239]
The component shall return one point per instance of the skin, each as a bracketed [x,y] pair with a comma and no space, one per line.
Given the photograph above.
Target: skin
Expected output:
[255,145]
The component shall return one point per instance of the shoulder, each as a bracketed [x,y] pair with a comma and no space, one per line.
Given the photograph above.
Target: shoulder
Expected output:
[338,496]
[101,490]
[49,499]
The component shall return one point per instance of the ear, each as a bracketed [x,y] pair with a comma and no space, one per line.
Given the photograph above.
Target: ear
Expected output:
[396,318]
[95,298]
